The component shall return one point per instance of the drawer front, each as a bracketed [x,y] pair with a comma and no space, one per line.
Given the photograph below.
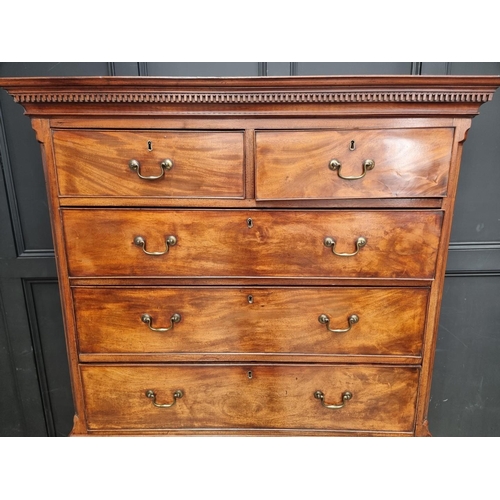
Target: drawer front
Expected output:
[203,164]
[367,321]
[408,163]
[399,244]
[250,396]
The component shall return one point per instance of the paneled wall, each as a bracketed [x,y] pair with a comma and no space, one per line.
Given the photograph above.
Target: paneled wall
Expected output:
[35,394]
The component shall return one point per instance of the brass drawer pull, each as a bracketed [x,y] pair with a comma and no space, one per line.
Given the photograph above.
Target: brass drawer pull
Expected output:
[166,164]
[335,165]
[352,320]
[175,318]
[152,395]
[141,242]
[330,242]
[346,396]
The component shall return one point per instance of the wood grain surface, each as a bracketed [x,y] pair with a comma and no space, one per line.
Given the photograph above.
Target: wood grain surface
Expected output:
[409,163]
[272,396]
[96,163]
[276,320]
[400,244]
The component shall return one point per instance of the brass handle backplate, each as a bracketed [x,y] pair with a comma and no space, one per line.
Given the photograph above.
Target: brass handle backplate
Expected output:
[351,320]
[166,164]
[335,165]
[141,242]
[152,395]
[330,242]
[346,396]
[175,318]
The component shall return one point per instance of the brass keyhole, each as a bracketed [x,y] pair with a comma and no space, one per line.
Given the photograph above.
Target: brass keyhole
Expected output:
[250,299]
[150,146]
[352,146]
[249,223]
[250,374]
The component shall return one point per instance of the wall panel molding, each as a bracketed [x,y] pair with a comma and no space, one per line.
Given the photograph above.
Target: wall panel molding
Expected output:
[38,352]
[10,190]
[473,258]
[416,68]
[37,253]
[11,416]
[24,383]
[44,316]
[12,201]
[142,68]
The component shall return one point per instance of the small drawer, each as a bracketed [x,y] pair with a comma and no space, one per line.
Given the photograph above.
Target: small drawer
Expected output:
[172,164]
[197,321]
[244,243]
[328,164]
[236,397]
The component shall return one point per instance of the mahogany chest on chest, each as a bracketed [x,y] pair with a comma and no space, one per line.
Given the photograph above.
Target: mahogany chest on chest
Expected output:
[251,255]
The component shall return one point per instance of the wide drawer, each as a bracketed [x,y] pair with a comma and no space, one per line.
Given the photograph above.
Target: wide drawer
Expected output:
[250,396]
[243,243]
[202,164]
[407,163]
[235,321]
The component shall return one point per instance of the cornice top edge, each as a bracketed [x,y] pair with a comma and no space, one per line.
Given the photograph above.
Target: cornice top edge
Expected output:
[255,82]
[374,83]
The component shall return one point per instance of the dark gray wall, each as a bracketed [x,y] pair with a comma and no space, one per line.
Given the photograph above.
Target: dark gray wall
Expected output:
[35,395]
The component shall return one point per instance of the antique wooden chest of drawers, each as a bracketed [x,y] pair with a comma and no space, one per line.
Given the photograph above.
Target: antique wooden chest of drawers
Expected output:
[251,255]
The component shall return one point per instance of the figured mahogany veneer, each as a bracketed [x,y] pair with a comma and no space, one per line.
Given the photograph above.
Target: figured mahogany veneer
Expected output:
[230,321]
[279,243]
[251,397]
[204,165]
[409,163]
[244,320]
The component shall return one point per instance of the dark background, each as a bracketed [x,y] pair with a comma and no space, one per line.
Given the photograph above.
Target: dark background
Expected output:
[35,393]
